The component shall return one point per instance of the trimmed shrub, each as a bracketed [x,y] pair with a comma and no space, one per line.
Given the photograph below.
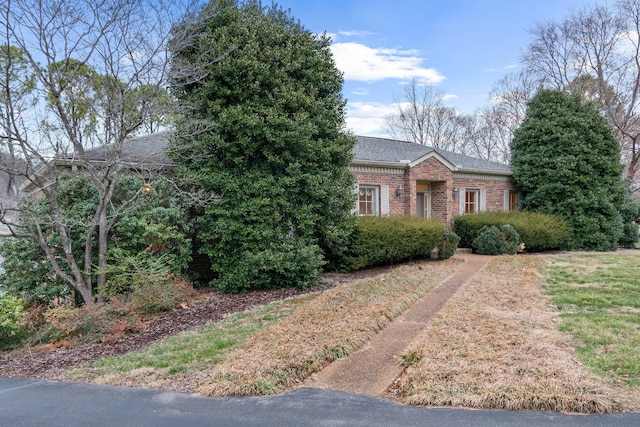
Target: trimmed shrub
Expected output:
[448,245]
[389,240]
[492,240]
[537,231]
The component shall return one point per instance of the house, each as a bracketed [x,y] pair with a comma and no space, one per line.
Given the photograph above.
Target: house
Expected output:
[393,177]
[405,178]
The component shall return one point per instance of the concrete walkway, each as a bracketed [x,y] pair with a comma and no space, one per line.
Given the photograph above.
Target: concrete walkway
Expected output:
[374,367]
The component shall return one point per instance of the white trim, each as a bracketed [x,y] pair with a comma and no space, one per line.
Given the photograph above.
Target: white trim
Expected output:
[384,200]
[356,207]
[376,169]
[436,156]
[482,176]
[483,201]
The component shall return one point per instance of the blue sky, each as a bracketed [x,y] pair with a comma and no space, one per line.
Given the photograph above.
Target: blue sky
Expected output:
[461,47]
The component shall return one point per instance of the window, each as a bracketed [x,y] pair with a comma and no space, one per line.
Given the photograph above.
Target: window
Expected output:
[471,201]
[368,200]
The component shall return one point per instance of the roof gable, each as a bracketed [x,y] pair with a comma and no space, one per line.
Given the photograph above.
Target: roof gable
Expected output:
[371,150]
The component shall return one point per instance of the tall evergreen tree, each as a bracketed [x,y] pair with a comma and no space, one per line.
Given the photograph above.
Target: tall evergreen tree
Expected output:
[263,132]
[566,161]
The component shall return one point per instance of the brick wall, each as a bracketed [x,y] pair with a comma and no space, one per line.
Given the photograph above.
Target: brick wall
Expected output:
[495,191]
[397,204]
[444,201]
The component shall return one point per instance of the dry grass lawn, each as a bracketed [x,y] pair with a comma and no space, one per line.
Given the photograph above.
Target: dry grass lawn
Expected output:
[321,330]
[496,345]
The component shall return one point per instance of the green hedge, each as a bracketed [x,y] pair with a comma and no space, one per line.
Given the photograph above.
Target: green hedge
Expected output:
[537,231]
[389,240]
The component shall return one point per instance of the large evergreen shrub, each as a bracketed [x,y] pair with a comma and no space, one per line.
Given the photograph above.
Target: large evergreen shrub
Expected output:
[263,135]
[566,161]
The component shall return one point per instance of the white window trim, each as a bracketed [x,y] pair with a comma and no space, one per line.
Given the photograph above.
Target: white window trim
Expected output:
[375,196]
[480,204]
[381,199]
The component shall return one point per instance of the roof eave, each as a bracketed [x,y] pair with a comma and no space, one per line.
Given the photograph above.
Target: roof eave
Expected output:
[378,163]
[484,171]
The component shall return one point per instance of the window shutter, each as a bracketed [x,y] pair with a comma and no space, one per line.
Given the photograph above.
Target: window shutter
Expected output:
[506,200]
[483,200]
[356,207]
[384,200]
[461,198]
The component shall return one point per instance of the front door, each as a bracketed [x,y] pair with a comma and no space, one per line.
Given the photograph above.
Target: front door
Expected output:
[423,200]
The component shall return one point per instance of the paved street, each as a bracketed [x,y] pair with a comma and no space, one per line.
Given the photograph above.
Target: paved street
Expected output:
[28,402]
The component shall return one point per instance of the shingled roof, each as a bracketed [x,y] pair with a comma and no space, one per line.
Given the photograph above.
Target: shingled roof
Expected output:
[371,150]
[150,149]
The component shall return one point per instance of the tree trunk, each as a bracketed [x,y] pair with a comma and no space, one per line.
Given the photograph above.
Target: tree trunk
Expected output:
[102,254]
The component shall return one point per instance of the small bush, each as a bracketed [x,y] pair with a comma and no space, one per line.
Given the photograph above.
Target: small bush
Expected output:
[97,323]
[388,240]
[159,294]
[537,231]
[448,246]
[11,312]
[494,240]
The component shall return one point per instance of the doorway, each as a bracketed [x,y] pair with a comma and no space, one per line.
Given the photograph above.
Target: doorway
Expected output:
[423,199]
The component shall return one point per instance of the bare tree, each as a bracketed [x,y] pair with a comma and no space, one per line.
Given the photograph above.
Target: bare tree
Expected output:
[490,129]
[596,50]
[88,72]
[422,117]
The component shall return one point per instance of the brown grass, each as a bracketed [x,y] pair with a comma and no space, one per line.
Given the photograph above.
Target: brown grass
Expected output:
[321,330]
[496,345]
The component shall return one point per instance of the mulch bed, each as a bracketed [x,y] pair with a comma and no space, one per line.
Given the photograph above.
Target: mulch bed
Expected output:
[210,308]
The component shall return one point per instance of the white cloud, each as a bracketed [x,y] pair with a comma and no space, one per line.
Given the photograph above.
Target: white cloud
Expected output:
[363,63]
[369,118]
[360,91]
[357,33]
[448,96]
[627,42]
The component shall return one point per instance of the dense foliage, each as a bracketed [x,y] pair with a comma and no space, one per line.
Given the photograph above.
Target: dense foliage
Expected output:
[447,248]
[389,240]
[537,231]
[151,226]
[493,240]
[566,161]
[11,311]
[263,135]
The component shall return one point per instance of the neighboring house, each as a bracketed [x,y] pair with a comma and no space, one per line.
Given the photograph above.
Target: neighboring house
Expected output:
[144,154]
[405,178]
[394,177]
[9,190]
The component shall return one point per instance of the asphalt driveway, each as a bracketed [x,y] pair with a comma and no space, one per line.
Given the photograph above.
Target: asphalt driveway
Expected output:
[28,402]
